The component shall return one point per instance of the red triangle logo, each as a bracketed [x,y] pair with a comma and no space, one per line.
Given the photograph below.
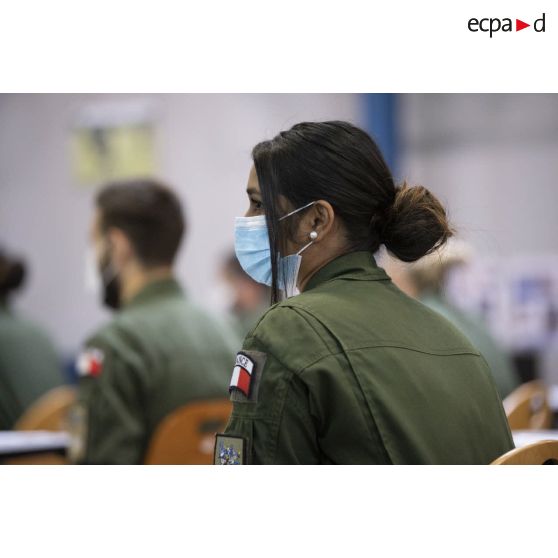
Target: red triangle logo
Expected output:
[519,25]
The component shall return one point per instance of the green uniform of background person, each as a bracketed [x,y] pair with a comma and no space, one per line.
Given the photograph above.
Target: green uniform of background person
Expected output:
[329,391]
[247,300]
[29,364]
[427,281]
[160,352]
[243,323]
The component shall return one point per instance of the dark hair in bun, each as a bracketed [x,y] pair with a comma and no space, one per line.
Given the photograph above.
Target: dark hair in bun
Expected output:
[416,224]
[12,274]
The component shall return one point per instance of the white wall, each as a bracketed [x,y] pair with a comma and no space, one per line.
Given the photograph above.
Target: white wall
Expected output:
[203,147]
[494,159]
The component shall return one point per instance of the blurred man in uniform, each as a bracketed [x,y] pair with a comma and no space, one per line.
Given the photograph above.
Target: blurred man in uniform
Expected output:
[29,364]
[248,300]
[427,280]
[160,351]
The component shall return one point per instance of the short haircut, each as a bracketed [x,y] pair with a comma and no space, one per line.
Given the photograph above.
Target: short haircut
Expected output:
[148,213]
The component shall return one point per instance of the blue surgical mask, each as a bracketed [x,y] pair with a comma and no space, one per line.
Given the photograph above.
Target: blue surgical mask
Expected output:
[252,249]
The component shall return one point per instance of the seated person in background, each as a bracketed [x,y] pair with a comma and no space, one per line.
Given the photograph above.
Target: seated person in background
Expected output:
[427,281]
[160,351]
[29,364]
[249,299]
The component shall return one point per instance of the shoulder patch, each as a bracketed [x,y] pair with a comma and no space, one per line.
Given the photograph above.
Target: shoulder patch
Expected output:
[246,375]
[242,374]
[229,450]
[90,362]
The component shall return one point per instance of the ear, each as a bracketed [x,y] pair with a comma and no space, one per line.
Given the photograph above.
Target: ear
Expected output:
[319,219]
[120,247]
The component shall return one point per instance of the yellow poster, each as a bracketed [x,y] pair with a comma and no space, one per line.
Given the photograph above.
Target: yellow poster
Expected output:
[113,142]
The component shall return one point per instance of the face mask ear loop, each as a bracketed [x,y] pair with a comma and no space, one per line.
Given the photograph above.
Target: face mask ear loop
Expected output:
[304,248]
[297,210]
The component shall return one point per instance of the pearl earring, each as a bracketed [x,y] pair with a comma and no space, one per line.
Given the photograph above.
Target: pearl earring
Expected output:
[313,235]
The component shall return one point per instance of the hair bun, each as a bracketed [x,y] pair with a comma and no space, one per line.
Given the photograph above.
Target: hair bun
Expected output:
[416,224]
[12,274]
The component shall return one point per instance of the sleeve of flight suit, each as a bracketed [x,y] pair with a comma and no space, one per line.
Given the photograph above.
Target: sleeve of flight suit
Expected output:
[305,405]
[111,404]
[275,420]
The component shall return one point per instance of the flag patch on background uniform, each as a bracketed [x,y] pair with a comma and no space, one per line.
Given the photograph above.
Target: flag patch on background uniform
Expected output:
[242,374]
[90,362]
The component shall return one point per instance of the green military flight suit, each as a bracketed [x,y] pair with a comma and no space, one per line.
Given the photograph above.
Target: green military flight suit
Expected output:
[29,366]
[159,353]
[353,371]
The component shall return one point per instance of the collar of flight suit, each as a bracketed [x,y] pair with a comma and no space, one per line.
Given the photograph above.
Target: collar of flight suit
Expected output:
[356,266]
[155,289]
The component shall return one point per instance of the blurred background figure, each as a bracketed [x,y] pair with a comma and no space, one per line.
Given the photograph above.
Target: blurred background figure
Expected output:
[248,299]
[29,364]
[160,351]
[427,281]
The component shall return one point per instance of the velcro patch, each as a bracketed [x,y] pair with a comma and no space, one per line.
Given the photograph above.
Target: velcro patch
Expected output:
[229,450]
[90,362]
[243,370]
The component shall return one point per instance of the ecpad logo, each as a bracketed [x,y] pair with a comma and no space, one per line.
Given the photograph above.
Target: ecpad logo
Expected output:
[493,25]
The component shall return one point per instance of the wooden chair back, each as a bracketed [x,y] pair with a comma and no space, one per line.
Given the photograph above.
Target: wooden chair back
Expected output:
[187,435]
[527,407]
[540,453]
[47,413]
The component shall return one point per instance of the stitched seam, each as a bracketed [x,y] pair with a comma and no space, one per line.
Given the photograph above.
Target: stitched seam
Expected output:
[349,279]
[241,415]
[301,311]
[280,361]
[371,413]
[309,322]
[388,346]
[377,345]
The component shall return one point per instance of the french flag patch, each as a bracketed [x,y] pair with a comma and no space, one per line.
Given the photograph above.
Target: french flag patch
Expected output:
[90,362]
[242,374]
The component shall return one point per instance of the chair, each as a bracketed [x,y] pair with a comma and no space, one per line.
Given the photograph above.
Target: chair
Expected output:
[187,435]
[47,413]
[539,453]
[527,407]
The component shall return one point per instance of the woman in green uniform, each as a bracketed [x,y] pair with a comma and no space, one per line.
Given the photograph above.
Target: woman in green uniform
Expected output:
[29,365]
[345,368]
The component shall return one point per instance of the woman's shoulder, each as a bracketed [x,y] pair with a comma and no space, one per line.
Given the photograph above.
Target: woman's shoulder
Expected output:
[292,334]
[296,311]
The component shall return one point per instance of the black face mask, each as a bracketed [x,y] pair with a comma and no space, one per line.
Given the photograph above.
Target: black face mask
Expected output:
[111,285]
